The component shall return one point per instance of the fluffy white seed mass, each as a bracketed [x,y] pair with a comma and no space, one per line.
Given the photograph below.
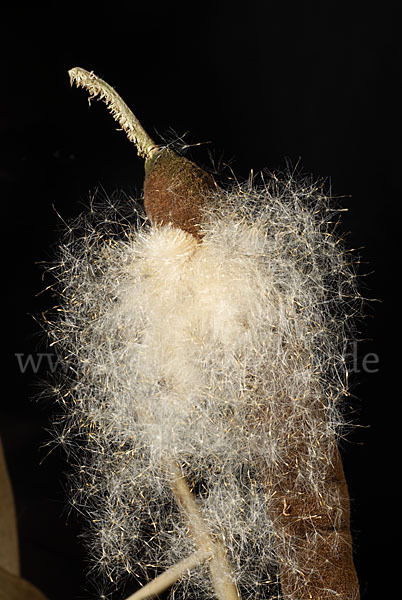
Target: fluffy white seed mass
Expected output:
[226,356]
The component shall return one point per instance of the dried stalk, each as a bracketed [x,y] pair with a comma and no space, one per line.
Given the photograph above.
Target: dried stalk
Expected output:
[219,568]
[169,577]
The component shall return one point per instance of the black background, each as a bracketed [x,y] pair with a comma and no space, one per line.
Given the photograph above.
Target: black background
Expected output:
[313,83]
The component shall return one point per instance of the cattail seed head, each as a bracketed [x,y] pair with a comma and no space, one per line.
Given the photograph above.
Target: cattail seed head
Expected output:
[225,355]
[206,350]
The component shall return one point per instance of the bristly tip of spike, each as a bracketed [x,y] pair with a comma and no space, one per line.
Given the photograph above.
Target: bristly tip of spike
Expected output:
[175,188]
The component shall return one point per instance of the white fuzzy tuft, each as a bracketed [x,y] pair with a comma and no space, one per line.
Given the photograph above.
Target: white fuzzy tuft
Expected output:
[221,355]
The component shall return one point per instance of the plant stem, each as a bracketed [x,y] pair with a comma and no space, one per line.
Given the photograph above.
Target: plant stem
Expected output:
[219,567]
[170,576]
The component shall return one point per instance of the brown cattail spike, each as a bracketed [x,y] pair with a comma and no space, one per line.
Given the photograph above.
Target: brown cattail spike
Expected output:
[175,190]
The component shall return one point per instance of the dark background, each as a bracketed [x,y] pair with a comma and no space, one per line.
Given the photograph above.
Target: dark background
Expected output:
[313,83]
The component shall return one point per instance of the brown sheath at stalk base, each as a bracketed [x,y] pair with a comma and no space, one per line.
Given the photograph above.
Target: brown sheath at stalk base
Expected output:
[321,541]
